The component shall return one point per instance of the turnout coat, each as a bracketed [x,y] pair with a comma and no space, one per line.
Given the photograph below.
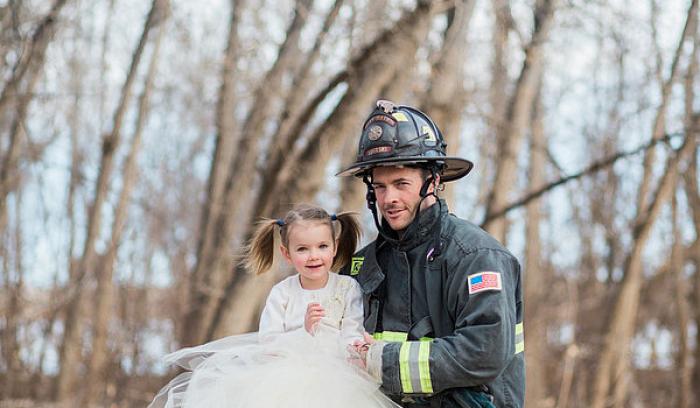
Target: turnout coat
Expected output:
[447,299]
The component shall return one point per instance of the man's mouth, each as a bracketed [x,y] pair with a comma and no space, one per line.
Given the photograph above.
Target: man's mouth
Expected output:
[394,212]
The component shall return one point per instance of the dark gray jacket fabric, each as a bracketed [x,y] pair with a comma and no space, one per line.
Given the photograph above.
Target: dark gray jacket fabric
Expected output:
[443,342]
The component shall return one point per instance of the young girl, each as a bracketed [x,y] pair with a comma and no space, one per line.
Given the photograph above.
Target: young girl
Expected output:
[300,356]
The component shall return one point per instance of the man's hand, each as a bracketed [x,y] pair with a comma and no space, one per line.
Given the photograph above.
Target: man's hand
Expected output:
[359,350]
[314,314]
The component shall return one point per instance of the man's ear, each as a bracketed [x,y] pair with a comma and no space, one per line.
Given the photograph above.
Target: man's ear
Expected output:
[285,253]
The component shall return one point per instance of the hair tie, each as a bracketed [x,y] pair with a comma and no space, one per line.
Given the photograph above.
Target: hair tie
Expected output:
[334,217]
[280,222]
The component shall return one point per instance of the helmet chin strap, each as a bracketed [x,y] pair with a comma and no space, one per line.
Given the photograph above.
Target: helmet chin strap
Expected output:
[436,248]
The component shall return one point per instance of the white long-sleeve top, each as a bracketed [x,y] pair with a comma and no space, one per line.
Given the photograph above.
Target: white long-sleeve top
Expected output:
[286,305]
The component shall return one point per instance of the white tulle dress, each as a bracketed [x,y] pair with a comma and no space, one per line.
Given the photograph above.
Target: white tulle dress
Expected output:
[282,365]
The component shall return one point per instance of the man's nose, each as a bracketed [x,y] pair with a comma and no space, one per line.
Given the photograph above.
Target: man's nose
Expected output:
[391,194]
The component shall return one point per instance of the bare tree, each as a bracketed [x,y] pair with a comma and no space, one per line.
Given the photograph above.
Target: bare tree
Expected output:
[691,188]
[678,258]
[535,273]
[614,358]
[115,259]
[518,113]
[70,351]
[445,98]
[97,364]
[19,88]
[497,94]
[683,355]
[226,138]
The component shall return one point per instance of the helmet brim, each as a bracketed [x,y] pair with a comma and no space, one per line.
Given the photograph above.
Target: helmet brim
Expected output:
[454,167]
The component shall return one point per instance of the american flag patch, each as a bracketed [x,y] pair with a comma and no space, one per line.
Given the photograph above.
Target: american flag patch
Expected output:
[482,281]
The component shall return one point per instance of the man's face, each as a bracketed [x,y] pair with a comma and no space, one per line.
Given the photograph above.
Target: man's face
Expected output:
[398,194]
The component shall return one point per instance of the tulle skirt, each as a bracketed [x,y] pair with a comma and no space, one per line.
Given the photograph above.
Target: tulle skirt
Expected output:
[291,370]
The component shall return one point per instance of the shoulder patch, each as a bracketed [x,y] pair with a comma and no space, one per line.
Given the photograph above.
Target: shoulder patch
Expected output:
[484,281]
[356,265]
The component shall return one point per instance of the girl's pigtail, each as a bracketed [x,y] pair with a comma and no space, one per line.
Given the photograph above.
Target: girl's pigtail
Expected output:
[350,232]
[261,247]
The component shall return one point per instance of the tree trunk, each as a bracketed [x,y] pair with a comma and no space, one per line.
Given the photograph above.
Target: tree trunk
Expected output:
[570,356]
[691,188]
[498,90]
[510,135]
[71,345]
[445,99]
[659,126]
[297,98]
[535,273]
[695,377]
[678,258]
[31,61]
[226,138]
[103,308]
[683,356]
[20,87]
[352,189]
[368,73]
[615,356]
[212,270]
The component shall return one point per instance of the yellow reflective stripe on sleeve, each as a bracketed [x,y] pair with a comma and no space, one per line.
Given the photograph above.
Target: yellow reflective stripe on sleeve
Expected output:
[424,367]
[519,338]
[414,367]
[404,368]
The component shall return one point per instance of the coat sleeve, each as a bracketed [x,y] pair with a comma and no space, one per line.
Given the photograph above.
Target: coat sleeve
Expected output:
[484,339]
[351,327]
[272,317]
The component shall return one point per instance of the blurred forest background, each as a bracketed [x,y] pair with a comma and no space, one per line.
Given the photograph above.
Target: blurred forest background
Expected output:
[139,141]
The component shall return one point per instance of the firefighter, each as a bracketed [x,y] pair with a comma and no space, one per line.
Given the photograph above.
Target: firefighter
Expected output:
[442,298]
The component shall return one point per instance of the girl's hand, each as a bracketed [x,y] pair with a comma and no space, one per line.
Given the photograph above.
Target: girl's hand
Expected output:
[314,314]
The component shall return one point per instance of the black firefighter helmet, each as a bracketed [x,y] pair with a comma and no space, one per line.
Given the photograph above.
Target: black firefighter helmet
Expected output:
[395,135]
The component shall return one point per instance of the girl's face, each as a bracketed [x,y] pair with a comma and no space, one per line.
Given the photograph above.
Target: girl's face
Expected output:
[311,251]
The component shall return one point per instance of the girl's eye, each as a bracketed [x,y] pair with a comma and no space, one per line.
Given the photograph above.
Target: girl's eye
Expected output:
[323,246]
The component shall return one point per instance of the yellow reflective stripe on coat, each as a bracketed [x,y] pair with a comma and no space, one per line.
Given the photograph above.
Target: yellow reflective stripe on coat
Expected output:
[396,337]
[519,338]
[414,367]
